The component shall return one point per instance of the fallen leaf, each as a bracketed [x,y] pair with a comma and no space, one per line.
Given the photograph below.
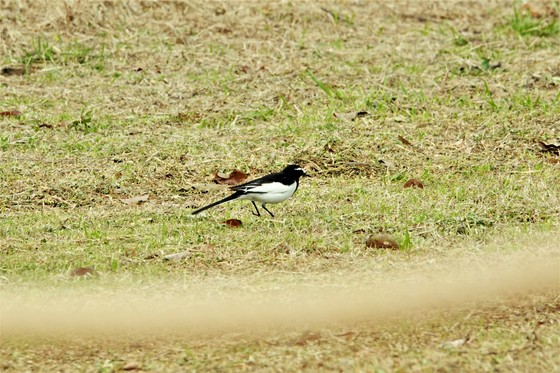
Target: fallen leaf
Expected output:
[132,366]
[404,141]
[382,241]
[552,146]
[83,271]
[534,10]
[136,200]
[235,177]
[307,337]
[233,223]
[539,9]
[11,113]
[178,256]
[414,183]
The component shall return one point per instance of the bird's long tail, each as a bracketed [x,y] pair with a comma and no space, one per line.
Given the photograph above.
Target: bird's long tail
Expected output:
[230,198]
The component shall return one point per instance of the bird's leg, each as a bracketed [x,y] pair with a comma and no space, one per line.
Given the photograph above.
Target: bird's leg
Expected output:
[258,212]
[264,207]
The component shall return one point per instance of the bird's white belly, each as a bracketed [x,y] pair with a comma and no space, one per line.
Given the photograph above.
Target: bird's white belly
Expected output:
[271,193]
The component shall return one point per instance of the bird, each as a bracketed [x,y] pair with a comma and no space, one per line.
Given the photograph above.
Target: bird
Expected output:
[273,188]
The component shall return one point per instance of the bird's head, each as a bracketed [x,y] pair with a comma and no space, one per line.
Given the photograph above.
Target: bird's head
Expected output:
[295,170]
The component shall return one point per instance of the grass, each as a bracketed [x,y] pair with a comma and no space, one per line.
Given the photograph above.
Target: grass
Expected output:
[527,25]
[120,102]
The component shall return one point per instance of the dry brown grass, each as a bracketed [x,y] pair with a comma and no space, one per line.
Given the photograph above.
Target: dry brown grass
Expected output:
[121,99]
[501,316]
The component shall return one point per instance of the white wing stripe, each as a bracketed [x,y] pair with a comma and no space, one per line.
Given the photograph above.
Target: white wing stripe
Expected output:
[274,187]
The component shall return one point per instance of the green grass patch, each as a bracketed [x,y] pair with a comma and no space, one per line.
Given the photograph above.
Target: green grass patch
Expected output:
[526,25]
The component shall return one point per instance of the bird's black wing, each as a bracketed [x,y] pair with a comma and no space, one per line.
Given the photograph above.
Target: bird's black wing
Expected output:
[270,178]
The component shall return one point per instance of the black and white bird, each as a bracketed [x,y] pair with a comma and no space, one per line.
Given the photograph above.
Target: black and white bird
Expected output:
[272,188]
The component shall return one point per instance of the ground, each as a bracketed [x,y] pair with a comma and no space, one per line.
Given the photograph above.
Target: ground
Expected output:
[116,117]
